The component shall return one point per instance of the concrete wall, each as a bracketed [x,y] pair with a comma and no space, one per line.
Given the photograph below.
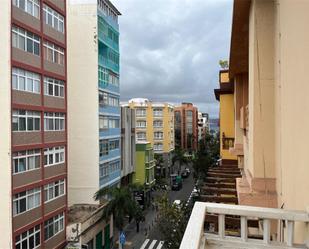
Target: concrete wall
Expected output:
[261,90]
[5,141]
[292,106]
[226,122]
[83,124]
[128,141]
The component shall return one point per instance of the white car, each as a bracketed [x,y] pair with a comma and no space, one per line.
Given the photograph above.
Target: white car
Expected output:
[177,203]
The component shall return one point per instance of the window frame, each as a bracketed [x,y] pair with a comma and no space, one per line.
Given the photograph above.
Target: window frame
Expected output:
[56,84]
[51,118]
[53,152]
[55,15]
[21,33]
[51,188]
[18,73]
[53,223]
[57,52]
[36,153]
[29,115]
[35,3]
[32,232]
[28,193]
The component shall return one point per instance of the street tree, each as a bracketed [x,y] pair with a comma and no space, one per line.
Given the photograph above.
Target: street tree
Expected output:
[172,221]
[179,156]
[120,204]
[207,155]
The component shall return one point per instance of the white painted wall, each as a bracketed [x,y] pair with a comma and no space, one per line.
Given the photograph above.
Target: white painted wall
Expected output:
[5,135]
[83,123]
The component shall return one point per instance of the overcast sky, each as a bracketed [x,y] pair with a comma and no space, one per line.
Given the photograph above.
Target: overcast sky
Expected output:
[170,49]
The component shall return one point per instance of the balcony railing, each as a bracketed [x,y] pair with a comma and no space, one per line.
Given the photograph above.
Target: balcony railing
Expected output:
[196,237]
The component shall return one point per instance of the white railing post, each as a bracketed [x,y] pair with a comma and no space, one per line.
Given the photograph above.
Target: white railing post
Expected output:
[290,233]
[266,231]
[221,226]
[244,228]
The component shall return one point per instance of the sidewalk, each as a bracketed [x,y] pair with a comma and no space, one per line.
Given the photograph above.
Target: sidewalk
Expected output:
[133,239]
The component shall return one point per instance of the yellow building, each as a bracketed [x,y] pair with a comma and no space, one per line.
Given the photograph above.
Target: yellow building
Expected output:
[155,124]
[225,95]
[268,67]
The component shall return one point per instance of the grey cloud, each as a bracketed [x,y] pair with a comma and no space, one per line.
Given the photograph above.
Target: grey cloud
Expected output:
[170,49]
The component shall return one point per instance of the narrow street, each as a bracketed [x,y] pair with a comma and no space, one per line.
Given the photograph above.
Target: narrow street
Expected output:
[149,235]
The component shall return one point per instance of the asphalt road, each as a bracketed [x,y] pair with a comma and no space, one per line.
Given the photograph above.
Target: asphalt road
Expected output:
[148,229]
[183,195]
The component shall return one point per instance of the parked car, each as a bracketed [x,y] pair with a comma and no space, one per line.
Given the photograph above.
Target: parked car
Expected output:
[188,170]
[184,174]
[176,185]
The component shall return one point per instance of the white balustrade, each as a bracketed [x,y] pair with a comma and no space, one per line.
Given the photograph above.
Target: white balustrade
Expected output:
[196,238]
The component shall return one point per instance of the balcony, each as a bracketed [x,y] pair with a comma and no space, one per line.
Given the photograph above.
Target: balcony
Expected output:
[109,109]
[110,132]
[197,237]
[103,61]
[108,42]
[107,86]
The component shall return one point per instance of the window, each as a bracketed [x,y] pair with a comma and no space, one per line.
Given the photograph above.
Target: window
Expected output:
[158,124]
[53,87]
[113,123]
[30,239]
[103,122]
[54,121]
[54,156]
[114,166]
[53,53]
[141,124]
[108,100]
[103,98]
[26,200]
[157,112]
[158,135]
[113,101]
[26,160]
[25,40]
[104,169]
[140,112]
[114,145]
[113,79]
[158,146]
[141,136]
[54,190]
[53,226]
[26,120]
[53,18]
[103,147]
[23,80]
[32,7]
[103,75]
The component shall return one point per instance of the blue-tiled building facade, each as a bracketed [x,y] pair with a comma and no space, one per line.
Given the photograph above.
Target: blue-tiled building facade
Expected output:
[109,94]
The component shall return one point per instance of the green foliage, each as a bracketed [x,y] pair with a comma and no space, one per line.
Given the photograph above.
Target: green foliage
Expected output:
[224,64]
[207,155]
[121,204]
[179,156]
[172,221]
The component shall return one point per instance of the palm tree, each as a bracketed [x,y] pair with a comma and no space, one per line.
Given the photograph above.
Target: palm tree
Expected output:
[180,158]
[120,205]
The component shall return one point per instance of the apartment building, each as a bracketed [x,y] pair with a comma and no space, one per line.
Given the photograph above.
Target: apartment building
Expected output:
[155,124]
[225,95]
[95,118]
[127,145]
[186,127]
[33,145]
[203,125]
